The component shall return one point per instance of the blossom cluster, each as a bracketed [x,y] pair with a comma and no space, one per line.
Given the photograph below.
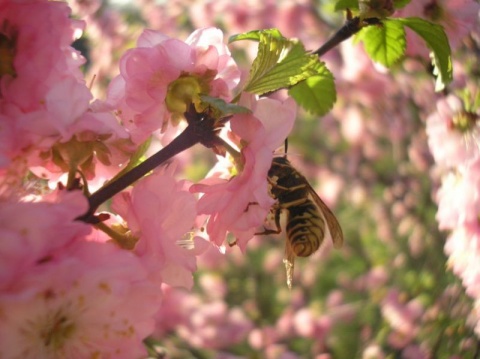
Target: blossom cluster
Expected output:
[453,136]
[76,288]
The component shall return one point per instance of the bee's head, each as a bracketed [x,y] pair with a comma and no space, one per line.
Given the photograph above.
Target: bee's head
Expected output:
[280,168]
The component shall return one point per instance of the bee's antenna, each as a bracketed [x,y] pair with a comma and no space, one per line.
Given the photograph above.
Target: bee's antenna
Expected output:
[286,147]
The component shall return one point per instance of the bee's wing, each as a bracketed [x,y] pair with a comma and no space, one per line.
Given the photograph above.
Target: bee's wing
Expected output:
[289,262]
[332,222]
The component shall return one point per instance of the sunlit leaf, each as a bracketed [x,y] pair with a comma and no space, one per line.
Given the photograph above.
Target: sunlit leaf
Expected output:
[317,94]
[384,43]
[437,41]
[255,35]
[280,62]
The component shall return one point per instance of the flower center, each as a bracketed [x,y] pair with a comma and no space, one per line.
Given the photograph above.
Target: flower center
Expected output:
[186,90]
[57,330]
[464,121]
[182,92]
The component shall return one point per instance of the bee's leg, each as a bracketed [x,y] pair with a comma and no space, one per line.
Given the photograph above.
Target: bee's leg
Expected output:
[234,242]
[250,204]
[277,224]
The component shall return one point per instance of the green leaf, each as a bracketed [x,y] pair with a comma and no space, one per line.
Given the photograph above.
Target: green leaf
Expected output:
[316,94]
[437,41]
[346,4]
[384,43]
[353,4]
[225,108]
[255,35]
[280,62]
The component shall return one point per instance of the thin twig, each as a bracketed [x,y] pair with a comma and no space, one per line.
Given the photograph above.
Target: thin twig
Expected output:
[351,27]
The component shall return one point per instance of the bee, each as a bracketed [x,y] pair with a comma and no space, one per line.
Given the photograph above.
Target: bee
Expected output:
[307,214]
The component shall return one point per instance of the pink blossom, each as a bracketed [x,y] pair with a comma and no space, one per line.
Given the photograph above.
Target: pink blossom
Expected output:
[205,13]
[215,326]
[85,8]
[414,351]
[40,34]
[99,147]
[331,187]
[374,279]
[239,204]
[353,125]
[463,250]
[161,214]
[459,196]
[57,287]
[45,84]
[273,260]
[360,81]
[165,17]
[402,317]
[260,338]
[373,351]
[59,112]
[452,135]
[212,53]
[309,325]
[44,101]
[304,323]
[87,300]
[161,76]
[107,38]
[32,231]
[298,19]
[285,323]
[174,309]
[199,321]
[280,351]
[214,259]
[214,286]
[243,16]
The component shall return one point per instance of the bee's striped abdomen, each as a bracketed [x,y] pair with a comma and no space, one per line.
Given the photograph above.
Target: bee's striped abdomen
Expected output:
[305,228]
